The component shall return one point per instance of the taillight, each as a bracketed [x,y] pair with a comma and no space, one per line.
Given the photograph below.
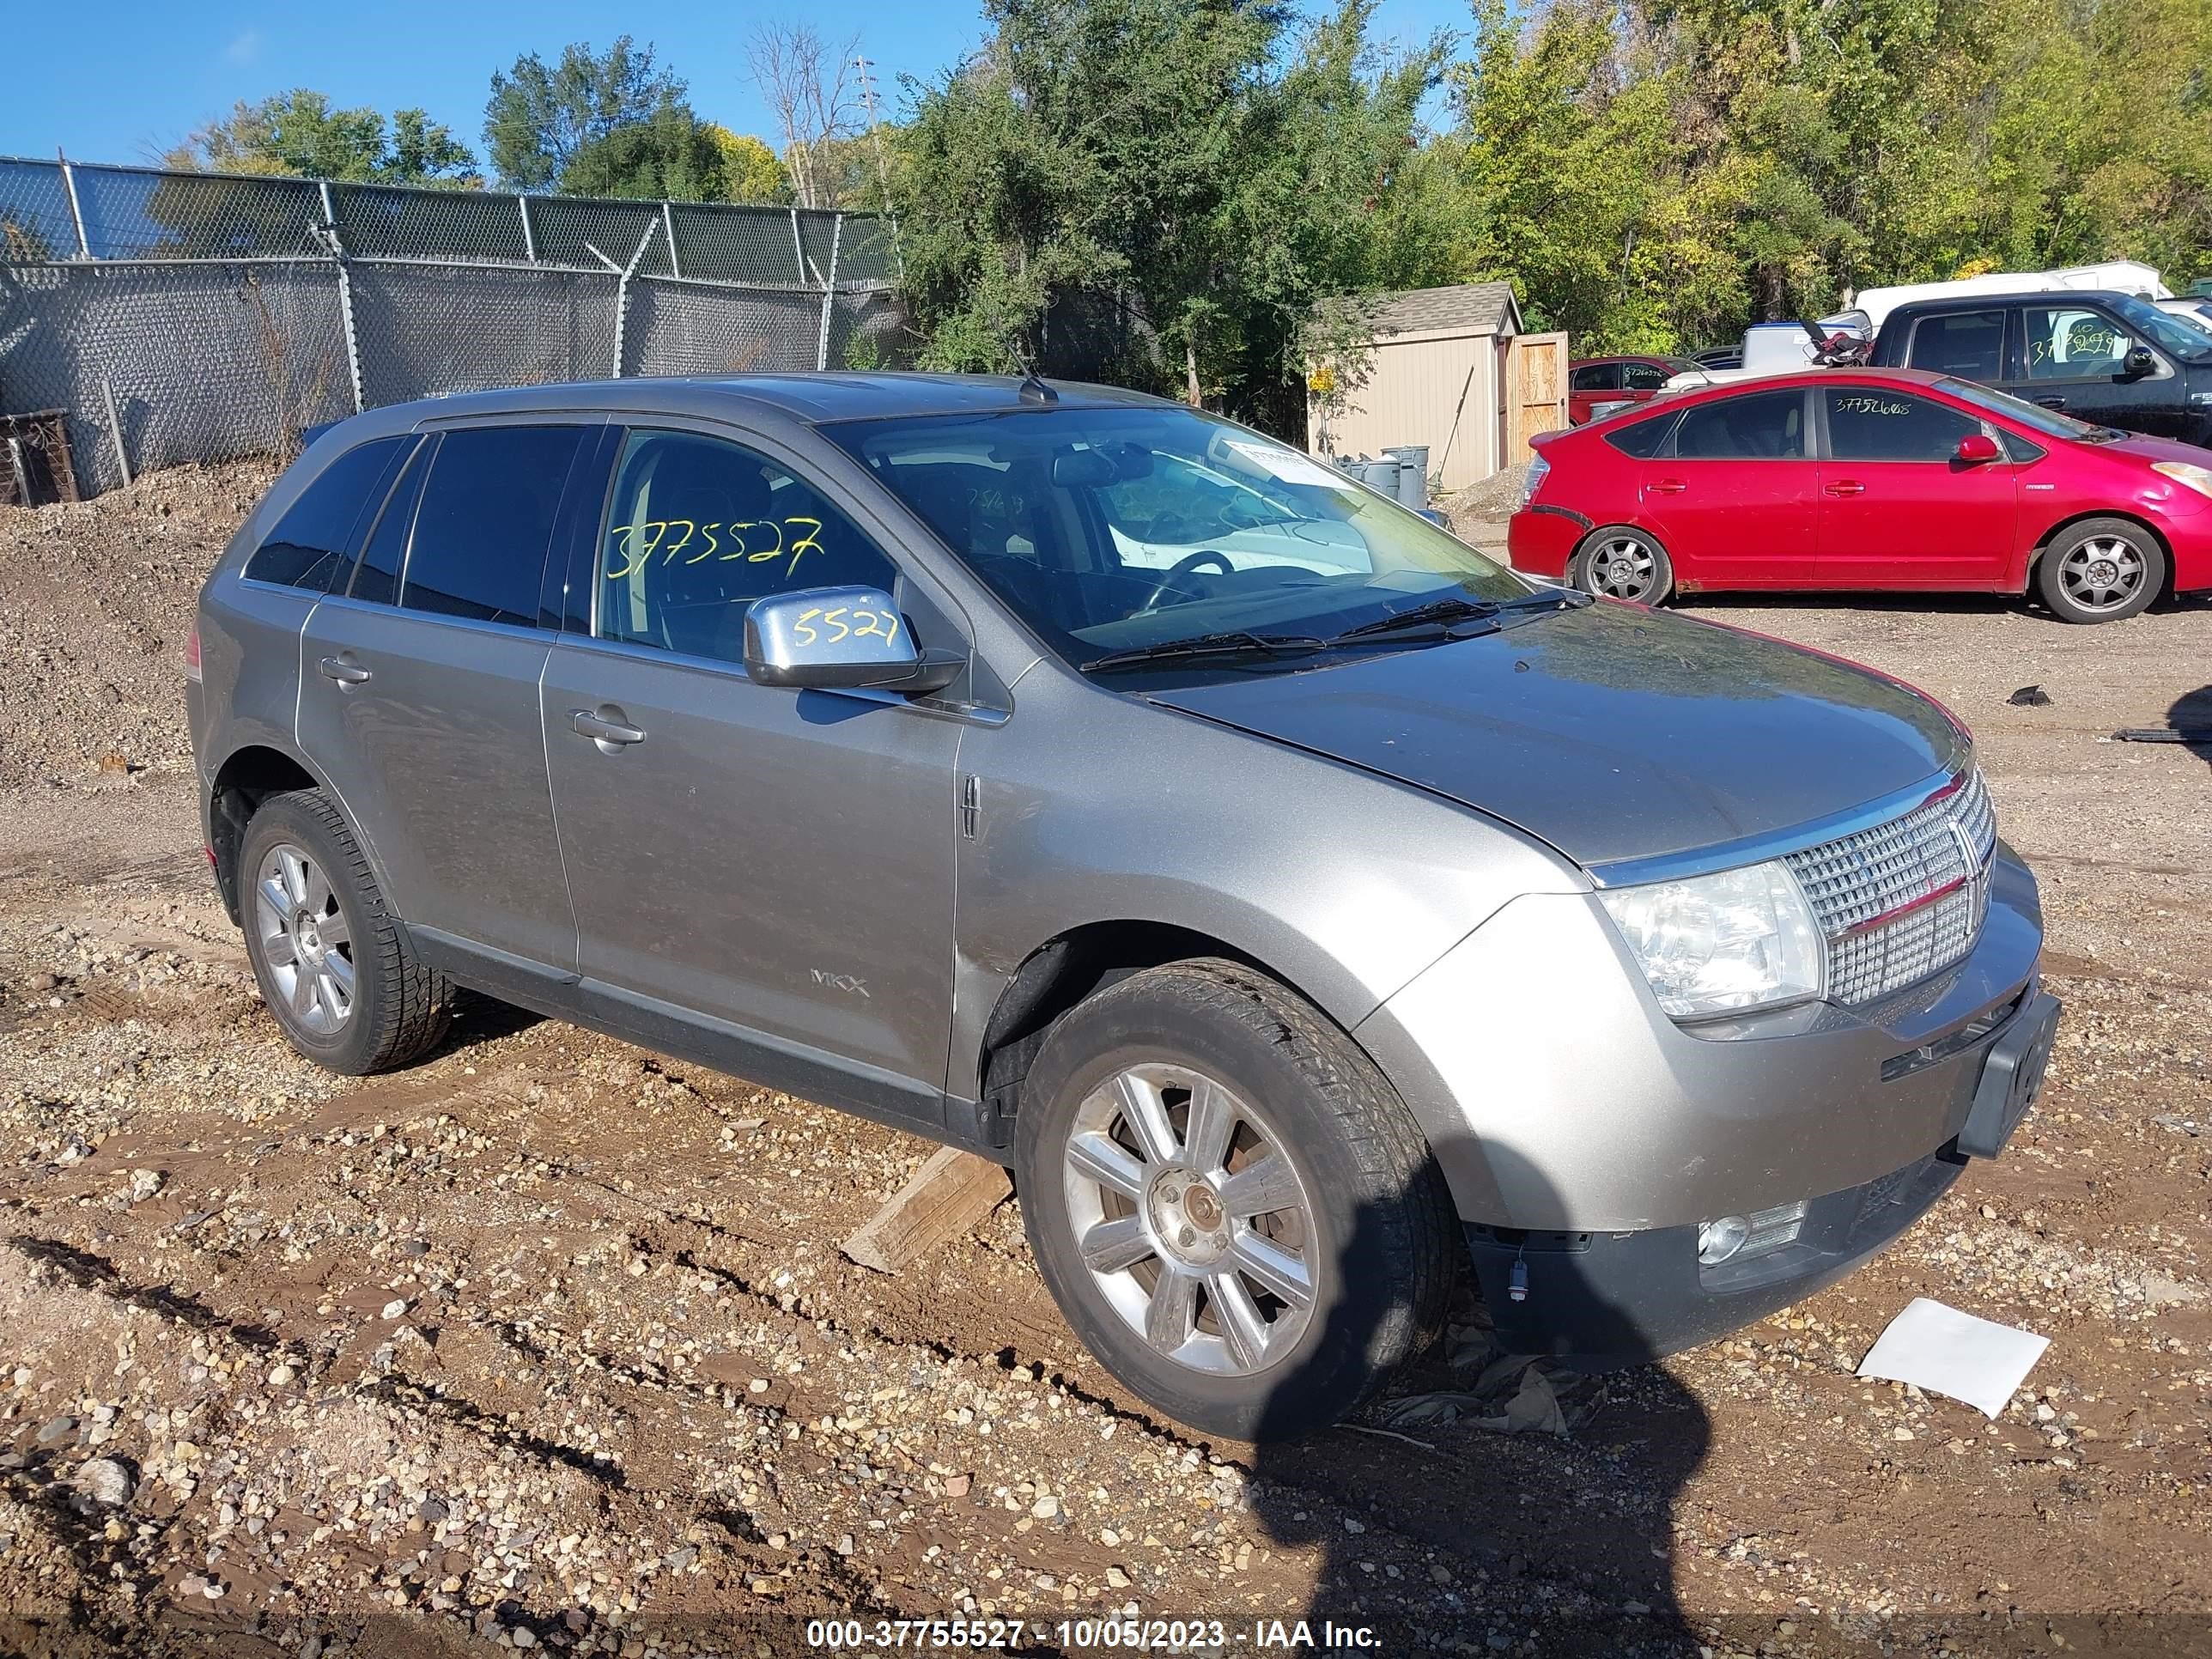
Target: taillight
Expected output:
[193,654]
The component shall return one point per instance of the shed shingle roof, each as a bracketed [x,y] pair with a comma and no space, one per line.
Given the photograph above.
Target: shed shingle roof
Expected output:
[1476,307]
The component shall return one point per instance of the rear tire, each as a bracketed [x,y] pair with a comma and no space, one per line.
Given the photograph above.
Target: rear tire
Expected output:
[1231,1206]
[2100,570]
[336,967]
[1614,561]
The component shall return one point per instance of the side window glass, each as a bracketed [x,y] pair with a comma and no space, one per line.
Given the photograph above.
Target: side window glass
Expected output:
[1876,423]
[1643,377]
[1970,344]
[1597,377]
[2066,342]
[1642,439]
[485,521]
[1765,426]
[376,578]
[700,529]
[308,547]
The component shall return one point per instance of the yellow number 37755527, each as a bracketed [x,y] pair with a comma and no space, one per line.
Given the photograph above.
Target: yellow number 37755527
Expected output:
[696,541]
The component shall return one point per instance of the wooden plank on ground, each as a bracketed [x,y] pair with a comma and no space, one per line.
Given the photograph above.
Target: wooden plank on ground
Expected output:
[950,1192]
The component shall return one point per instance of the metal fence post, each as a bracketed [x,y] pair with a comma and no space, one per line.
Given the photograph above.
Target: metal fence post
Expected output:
[76,209]
[675,263]
[798,248]
[622,292]
[829,293]
[529,236]
[345,296]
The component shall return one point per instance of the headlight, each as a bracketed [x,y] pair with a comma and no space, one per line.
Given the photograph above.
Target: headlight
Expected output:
[1537,468]
[1712,944]
[2187,473]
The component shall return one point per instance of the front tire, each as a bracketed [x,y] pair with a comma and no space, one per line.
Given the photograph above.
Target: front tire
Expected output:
[2100,570]
[1231,1206]
[1616,563]
[335,966]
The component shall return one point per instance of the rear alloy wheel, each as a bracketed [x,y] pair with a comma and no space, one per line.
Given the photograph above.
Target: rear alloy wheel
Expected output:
[2100,570]
[1231,1204]
[1616,563]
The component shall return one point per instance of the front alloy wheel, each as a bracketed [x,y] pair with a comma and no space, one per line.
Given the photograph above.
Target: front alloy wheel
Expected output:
[2102,570]
[1191,1218]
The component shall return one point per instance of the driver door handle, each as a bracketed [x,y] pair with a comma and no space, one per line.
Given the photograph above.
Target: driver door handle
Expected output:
[1846,487]
[1668,487]
[2052,401]
[604,731]
[344,672]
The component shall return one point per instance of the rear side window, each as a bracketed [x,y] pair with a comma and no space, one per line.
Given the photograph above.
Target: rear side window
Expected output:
[1642,439]
[308,547]
[1597,377]
[1764,426]
[485,521]
[1878,423]
[376,579]
[1643,377]
[1969,343]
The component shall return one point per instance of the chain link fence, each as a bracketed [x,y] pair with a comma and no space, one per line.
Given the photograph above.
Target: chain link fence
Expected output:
[175,317]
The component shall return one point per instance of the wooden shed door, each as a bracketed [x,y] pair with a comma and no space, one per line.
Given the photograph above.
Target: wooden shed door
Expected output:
[1536,391]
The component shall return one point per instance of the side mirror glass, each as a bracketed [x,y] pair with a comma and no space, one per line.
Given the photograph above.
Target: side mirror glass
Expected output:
[2138,362]
[1977,447]
[840,639]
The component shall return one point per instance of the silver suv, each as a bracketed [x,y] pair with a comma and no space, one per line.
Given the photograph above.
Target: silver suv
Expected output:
[1304,906]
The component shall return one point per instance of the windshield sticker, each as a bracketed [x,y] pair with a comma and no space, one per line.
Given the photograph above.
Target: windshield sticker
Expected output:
[1286,464]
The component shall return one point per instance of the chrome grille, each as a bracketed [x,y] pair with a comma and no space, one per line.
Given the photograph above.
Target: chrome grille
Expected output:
[1904,899]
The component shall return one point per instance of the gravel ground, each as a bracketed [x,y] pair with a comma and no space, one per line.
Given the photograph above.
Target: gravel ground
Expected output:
[546,1343]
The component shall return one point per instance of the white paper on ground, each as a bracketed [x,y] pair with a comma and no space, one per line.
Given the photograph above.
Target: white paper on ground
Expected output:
[1939,1349]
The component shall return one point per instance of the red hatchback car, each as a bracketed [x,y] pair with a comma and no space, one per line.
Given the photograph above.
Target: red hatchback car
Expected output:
[1593,382]
[1867,478]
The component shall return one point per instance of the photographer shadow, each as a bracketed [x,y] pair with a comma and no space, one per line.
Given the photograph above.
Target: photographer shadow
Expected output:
[1482,1541]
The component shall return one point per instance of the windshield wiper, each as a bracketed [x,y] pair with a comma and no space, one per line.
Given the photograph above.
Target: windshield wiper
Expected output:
[1236,643]
[1445,612]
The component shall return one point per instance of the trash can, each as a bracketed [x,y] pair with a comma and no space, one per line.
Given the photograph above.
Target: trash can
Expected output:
[1382,476]
[1413,474]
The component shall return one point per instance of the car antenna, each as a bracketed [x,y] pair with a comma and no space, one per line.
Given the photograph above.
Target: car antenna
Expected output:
[1033,388]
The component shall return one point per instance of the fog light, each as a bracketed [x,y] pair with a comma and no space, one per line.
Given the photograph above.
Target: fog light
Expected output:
[1735,1236]
[1717,1241]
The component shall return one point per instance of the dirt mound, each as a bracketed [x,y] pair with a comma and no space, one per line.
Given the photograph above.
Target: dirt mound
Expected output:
[96,604]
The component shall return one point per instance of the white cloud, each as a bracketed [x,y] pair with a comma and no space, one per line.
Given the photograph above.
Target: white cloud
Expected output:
[244,48]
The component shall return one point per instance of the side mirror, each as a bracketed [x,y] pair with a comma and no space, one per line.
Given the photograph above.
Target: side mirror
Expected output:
[2138,362]
[1978,447]
[840,639]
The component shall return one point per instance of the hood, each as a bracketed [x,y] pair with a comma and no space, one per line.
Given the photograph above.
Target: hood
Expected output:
[1610,732]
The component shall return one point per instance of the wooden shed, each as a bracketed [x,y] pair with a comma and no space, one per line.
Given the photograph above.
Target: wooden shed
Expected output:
[1450,367]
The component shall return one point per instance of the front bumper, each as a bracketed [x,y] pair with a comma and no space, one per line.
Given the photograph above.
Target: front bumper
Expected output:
[1610,1299]
[1557,1096]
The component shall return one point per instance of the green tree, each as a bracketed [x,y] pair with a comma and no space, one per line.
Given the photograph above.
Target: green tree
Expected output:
[671,154]
[751,170]
[539,118]
[299,133]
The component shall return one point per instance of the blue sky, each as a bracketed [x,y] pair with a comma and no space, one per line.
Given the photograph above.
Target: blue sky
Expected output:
[127,78]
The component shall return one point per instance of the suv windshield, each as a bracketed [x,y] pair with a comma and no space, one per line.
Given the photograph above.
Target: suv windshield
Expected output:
[2168,334]
[1109,530]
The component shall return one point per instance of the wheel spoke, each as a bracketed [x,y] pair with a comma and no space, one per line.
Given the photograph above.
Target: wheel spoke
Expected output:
[1169,1317]
[340,972]
[301,993]
[1096,1157]
[1266,1184]
[1112,1247]
[1243,1330]
[317,892]
[277,947]
[334,929]
[1212,1121]
[1274,1267]
[1147,1116]
[294,870]
[274,896]
[335,994]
